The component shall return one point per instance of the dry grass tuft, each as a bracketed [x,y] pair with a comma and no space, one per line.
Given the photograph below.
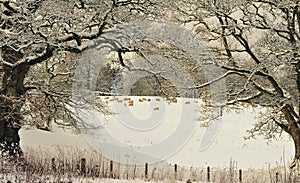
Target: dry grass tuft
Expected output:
[70,164]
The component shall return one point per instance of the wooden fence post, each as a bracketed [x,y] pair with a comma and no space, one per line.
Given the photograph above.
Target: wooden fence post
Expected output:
[146,171]
[277,177]
[111,169]
[53,166]
[83,166]
[240,175]
[134,171]
[175,168]
[208,174]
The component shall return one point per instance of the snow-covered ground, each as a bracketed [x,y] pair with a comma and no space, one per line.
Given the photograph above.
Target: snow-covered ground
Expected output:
[152,123]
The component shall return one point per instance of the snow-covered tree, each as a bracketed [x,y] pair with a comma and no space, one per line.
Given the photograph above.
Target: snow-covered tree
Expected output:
[257,43]
[39,42]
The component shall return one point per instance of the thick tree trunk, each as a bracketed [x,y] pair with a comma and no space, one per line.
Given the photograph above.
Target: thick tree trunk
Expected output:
[295,133]
[11,102]
[10,124]
[10,141]
[10,117]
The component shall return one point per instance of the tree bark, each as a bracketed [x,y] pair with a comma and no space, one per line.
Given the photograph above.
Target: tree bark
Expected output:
[11,102]
[10,117]
[295,134]
[10,141]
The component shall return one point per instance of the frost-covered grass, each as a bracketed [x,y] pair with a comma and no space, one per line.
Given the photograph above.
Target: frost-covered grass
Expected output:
[74,165]
[39,166]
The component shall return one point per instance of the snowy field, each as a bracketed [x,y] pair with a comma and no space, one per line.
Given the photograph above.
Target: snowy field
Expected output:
[229,143]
